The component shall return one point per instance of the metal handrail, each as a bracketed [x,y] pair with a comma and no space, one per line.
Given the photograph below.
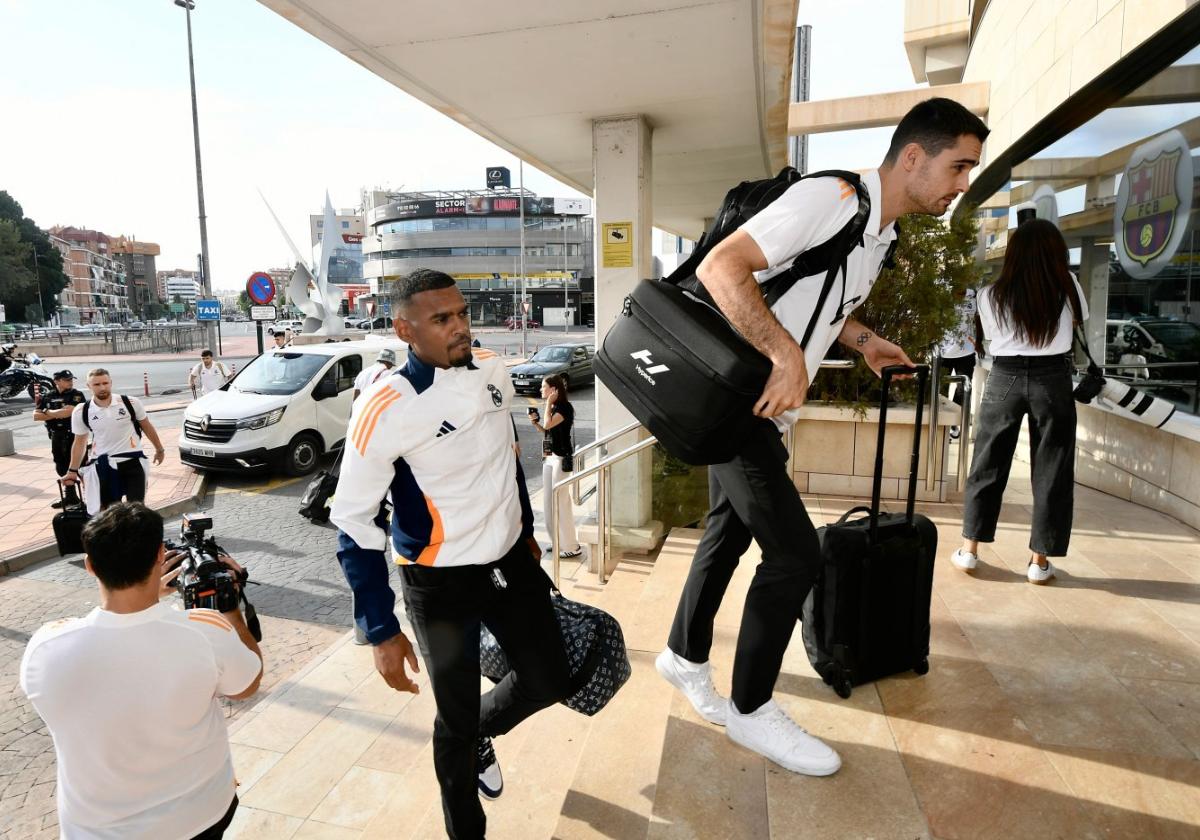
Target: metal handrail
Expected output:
[600,442]
[600,468]
[964,426]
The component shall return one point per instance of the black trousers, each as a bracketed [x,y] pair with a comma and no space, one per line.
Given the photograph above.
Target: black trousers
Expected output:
[217,830]
[750,497]
[446,606]
[133,482]
[60,450]
[1040,387]
[964,365]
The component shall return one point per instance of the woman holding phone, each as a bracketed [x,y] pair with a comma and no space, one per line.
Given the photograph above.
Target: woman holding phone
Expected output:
[557,448]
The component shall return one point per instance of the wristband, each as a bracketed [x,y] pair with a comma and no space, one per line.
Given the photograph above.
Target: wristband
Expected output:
[72,470]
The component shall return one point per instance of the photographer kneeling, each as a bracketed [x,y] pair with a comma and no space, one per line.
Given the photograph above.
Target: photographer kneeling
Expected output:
[129,693]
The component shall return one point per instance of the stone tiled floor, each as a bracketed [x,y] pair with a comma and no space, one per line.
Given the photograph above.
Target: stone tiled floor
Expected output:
[1070,710]
[28,485]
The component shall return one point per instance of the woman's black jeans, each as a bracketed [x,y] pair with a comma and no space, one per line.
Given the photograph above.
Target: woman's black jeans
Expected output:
[1039,386]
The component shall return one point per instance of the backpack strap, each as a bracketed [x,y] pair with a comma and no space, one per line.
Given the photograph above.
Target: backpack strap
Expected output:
[831,255]
[137,424]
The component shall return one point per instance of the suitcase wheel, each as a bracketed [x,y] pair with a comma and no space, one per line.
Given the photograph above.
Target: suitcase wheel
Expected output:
[842,685]
[922,667]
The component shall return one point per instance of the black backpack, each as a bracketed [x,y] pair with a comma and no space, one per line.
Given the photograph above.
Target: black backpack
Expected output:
[676,363]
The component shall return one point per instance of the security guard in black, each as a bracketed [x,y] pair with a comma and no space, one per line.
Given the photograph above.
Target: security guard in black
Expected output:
[54,409]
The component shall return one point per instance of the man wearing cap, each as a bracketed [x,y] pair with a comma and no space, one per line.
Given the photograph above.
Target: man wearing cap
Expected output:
[384,362]
[54,409]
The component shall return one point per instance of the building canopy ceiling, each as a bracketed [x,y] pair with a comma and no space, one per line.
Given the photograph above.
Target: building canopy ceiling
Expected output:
[710,77]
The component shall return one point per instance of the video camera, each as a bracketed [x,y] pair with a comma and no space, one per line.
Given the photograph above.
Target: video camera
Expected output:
[204,581]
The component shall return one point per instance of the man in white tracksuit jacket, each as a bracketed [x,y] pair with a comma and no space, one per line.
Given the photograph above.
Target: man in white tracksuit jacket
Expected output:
[436,436]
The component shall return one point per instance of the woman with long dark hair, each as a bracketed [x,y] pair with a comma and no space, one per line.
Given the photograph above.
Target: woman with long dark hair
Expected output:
[557,446]
[1028,315]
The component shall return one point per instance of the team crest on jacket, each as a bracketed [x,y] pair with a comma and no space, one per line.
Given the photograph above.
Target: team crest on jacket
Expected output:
[497,397]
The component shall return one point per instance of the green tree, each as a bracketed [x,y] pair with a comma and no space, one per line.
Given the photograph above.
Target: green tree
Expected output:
[913,304]
[244,303]
[17,281]
[47,267]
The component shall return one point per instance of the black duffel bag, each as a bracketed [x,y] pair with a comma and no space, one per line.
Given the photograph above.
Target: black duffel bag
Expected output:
[674,361]
[596,655]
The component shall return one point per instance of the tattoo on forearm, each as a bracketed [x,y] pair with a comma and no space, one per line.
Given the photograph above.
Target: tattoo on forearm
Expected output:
[863,338]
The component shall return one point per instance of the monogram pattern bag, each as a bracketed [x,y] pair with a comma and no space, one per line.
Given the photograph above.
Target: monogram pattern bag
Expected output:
[596,655]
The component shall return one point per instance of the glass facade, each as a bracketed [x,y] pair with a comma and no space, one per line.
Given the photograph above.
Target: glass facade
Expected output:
[1123,190]
[480,223]
[573,249]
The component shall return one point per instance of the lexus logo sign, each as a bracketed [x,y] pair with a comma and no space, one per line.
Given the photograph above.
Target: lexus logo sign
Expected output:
[498,176]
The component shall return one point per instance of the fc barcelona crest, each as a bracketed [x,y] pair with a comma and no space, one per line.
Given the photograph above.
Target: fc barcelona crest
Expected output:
[1153,204]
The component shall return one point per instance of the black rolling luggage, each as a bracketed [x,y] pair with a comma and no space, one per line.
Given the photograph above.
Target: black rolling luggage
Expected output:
[68,524]
[868,615]
[678,366]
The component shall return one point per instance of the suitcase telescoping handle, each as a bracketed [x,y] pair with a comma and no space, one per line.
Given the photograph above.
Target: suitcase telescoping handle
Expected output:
[922,374]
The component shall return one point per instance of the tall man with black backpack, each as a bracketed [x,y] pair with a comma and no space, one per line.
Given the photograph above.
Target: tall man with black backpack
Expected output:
[752,495]
[115,424]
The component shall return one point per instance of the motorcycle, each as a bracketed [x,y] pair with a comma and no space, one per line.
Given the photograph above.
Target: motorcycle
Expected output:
[25,374]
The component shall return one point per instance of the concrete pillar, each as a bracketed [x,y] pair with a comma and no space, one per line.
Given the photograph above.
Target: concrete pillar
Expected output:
[1093,277]
[621,166]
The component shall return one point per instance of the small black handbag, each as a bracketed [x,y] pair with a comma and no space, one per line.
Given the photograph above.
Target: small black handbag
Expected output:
[596,655]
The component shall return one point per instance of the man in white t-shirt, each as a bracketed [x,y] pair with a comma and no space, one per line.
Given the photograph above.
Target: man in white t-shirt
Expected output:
[753,497]
[208,374]
[384,363]
[115,424]
[129,694]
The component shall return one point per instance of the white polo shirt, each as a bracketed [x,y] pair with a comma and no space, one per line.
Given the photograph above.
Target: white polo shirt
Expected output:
[112,429]
[131,701]
[211,378]
[809,214]
[1003,342]
[368,376]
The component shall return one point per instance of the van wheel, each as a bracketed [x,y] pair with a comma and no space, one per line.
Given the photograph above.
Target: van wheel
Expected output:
[303,454]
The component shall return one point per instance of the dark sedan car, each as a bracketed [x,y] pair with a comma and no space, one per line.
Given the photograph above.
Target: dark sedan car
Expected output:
[572,361]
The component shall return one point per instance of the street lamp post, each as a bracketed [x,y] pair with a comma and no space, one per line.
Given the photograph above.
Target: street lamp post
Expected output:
[524,300]
[205,278]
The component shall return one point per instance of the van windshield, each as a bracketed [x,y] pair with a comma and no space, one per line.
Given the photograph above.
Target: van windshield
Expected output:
[280,372]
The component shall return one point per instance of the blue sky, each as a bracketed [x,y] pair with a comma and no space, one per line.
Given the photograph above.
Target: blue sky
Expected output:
[97,125]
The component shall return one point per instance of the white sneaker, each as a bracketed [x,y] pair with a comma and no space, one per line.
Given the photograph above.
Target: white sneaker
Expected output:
[771,733]
[964,560]
[695,681]
[491,781]
[1036,574]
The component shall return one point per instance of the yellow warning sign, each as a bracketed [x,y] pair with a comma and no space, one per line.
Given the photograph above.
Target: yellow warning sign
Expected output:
[618,245]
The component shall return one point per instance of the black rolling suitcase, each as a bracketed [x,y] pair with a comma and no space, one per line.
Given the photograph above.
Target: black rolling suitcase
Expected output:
[868,615]
[68,524]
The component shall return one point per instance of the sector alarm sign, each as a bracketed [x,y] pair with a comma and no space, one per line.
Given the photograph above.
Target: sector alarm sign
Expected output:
[1153,204]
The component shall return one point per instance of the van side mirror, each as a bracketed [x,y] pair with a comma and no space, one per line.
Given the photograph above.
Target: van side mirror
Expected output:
[325,389]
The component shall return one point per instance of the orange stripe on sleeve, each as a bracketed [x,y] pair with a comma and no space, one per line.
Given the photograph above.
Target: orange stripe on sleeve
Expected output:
[215,622]
[370,416]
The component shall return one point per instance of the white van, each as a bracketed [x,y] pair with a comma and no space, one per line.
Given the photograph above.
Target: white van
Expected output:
[282,411]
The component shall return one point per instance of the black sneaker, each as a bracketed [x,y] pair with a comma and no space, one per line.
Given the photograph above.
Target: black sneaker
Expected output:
[58,504]
[491,783]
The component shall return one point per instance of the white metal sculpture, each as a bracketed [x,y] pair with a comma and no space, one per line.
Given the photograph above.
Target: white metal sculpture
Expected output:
[310,290]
